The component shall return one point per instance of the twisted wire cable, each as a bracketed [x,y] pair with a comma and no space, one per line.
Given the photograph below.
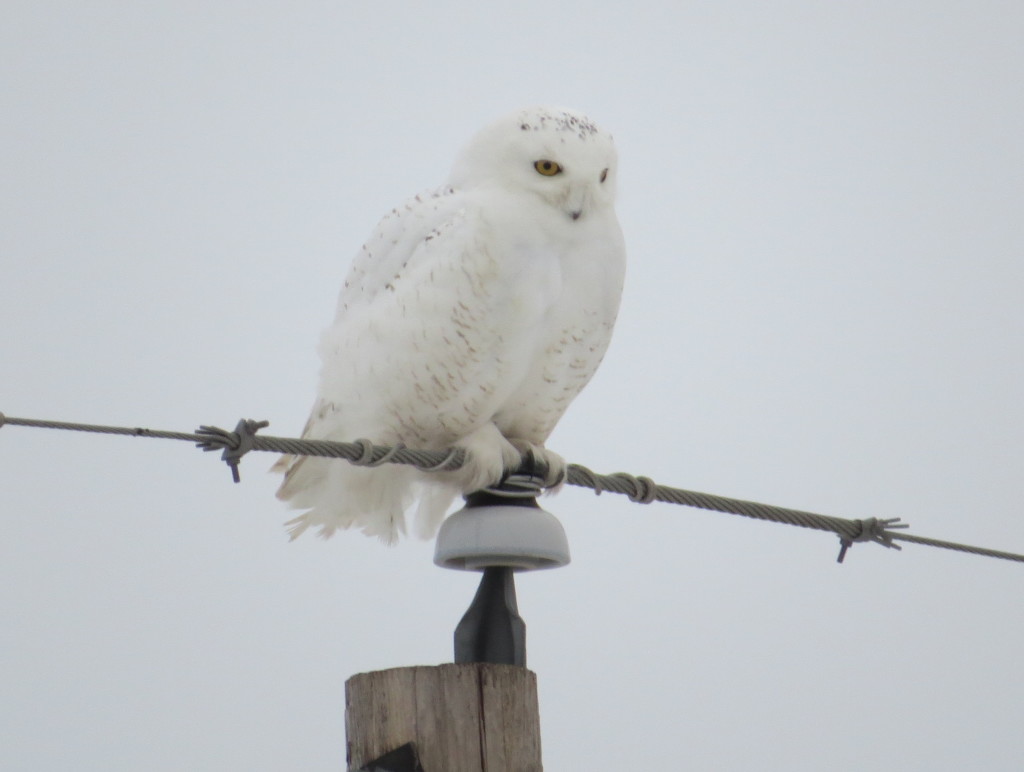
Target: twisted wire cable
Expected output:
[639,489]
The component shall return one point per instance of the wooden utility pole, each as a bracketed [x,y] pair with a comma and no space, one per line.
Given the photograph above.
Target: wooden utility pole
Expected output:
[476,717]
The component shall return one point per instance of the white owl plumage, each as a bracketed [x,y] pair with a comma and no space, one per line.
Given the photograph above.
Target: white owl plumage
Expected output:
[471,318]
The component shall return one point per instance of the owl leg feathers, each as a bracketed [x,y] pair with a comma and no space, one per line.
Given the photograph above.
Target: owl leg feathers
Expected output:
[488,455]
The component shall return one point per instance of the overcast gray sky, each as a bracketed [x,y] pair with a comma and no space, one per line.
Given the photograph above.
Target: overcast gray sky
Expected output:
[823,207]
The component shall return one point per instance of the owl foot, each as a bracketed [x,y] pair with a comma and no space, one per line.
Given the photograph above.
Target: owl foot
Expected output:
[489,456]
[547,463]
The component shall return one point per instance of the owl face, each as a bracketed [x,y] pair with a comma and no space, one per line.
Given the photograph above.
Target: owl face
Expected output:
[559,157]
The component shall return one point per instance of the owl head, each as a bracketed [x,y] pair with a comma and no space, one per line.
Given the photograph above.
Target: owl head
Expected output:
[558,155]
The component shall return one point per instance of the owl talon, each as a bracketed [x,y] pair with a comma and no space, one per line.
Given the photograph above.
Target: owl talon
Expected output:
[548,465]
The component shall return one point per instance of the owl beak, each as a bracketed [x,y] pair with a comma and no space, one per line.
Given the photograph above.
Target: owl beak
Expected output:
[579,202]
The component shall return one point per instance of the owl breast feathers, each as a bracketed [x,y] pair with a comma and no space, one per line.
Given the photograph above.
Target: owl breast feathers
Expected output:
[471,318]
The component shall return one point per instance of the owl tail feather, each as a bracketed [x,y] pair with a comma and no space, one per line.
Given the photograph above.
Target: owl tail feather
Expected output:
[435,499]
[338,496]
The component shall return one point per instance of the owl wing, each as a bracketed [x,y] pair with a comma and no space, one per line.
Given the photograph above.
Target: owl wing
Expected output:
[409,358]
[394,243]
[379,264]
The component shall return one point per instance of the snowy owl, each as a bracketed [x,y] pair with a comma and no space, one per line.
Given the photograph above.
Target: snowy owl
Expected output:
[471,318]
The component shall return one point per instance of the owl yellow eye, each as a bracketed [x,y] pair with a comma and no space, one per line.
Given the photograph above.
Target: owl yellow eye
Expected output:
[547,168]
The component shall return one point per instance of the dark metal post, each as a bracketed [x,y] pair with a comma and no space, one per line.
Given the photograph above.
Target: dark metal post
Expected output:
[492,630]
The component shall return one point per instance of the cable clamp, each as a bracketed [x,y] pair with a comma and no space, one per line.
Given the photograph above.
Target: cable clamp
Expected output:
[587,478]
[454,459]
[367,449]
[645,490]
[235,444]
[872,529]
